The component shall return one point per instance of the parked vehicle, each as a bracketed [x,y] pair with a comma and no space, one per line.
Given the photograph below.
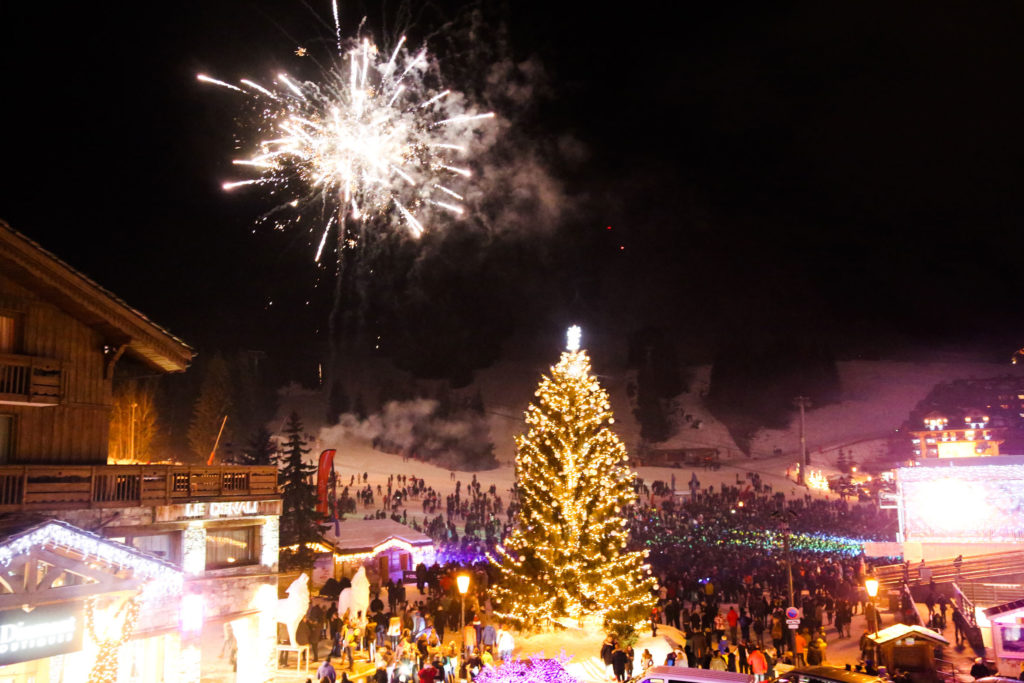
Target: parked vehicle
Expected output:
[684,674]
[826,674]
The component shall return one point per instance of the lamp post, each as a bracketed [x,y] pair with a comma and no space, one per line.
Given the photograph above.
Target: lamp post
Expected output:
[871,585]
[462,581]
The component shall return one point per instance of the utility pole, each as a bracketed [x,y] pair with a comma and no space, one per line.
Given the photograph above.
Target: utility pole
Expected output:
[802,402]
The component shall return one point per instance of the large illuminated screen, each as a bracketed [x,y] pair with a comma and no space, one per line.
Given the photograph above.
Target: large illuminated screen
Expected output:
[973,504]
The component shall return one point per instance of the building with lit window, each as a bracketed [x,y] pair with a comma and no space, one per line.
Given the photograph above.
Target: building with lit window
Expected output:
[969,418]
[967,436]
[114,572]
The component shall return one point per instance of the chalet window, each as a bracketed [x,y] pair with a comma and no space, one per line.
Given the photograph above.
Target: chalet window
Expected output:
[6,438]
[166,546]
[8,333]
[232,547]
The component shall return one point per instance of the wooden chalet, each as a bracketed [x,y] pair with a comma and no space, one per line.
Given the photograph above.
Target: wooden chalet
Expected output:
[61,334]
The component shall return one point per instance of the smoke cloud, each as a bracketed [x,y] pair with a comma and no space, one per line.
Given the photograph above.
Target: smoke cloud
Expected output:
[424,430]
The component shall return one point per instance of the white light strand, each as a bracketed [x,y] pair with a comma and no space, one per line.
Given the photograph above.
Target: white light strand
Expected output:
[573,338]
[160,578]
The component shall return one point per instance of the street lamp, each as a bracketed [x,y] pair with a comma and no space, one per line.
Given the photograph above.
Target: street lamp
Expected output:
[462,581]
[871,585]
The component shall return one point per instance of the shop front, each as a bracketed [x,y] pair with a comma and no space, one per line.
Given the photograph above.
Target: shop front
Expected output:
[1006,622]
[79,608]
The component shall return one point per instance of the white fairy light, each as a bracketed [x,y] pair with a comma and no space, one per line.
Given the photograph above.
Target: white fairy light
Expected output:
[573,338]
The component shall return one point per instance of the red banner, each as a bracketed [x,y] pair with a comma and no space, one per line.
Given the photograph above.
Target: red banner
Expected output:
[323,477]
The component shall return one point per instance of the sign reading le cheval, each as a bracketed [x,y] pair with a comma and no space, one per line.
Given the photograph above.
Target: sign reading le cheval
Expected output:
[44,632]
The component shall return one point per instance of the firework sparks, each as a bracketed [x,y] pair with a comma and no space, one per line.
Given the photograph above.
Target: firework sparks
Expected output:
[369,138]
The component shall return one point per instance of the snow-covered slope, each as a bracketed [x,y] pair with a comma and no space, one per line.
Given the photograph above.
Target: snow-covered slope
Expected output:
[877,397]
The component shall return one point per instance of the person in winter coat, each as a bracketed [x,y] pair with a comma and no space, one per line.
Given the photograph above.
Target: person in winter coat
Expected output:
[607,648]
[620,663]
[758,664]
[506,643]
[733,619]
[469,638]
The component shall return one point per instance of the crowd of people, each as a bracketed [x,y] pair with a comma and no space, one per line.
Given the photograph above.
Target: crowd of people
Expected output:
[710,548]
[403,639]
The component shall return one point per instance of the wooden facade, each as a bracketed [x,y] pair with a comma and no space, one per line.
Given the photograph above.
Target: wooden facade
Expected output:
[56,371]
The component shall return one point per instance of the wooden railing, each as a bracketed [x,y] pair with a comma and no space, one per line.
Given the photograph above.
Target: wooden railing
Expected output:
[30,379]
[965,605]
[988,594]
[39,487]
[972,567]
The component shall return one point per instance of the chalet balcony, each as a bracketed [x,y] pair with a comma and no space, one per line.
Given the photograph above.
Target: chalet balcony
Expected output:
[55,487]
[30,380]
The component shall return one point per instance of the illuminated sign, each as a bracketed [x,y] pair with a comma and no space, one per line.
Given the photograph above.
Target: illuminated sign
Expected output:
[236,508]
[44,632]
[965,504]
[888,500]
[217,510]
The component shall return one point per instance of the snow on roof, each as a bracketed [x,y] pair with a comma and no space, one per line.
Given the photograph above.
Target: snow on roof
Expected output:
[1012,606]
[898,631]
[360,535]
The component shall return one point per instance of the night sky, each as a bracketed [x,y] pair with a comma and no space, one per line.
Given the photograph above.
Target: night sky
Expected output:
[841,169]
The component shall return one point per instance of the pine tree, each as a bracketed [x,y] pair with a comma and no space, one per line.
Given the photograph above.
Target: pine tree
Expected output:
[300,523]
[566,556]
[261,449]
[843,462]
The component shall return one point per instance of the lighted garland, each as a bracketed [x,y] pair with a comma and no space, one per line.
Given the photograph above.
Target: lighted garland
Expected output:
[108,654]
[161,578]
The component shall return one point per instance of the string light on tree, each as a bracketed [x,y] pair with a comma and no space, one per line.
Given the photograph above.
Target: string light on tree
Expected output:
[566,556]
[109,644]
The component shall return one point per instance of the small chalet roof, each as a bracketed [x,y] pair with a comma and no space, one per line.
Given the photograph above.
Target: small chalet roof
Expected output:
[900,631]
[37,269]
[1011,606]
[363,535]
[153,575]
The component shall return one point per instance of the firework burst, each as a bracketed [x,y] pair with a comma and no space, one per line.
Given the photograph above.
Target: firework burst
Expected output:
[371,138]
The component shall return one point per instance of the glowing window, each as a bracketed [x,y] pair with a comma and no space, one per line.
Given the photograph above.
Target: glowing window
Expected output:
[232,547]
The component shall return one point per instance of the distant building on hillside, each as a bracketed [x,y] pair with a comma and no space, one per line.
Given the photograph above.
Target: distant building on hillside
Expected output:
[969,418]
[972,438]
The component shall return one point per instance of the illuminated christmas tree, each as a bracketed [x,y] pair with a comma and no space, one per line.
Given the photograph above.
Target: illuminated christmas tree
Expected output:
[567,556]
